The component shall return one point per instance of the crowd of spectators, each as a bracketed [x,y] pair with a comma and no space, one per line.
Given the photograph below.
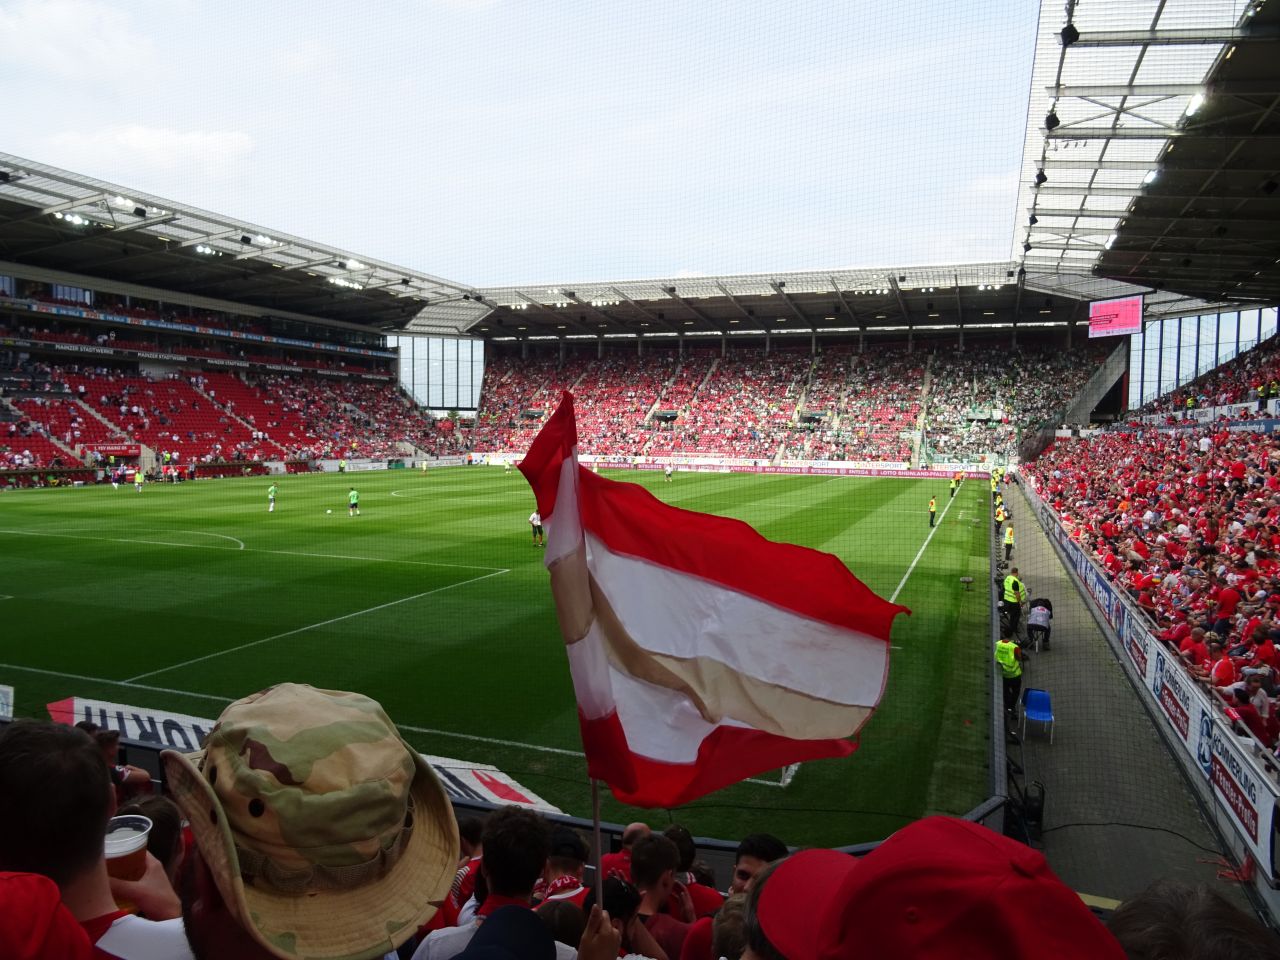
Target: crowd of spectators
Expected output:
[186,345]
[840,404]
[259,852]
[1246,378]
[58,414]
[984,400]
[870,402]
[741,410]
[1187,522]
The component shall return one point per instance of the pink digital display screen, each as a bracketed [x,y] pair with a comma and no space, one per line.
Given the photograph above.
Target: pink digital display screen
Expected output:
[1113,318]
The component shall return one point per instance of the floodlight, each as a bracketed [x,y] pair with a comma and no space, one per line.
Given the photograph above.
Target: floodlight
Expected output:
[1195,104]
[246,239]
[1110,240]
[1069,35]
[1034,220]
[1051,120]
[1041,177]
[139,211]
[5,176]
[1026,247]
[1151,177]
[902,278]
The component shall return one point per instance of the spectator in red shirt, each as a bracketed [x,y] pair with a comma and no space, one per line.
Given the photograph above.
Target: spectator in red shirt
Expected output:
[654,860]
[1228,600]
[34,925]
[1194,649]
[1240,708]
[619,862]
[706,900]
[1221,670]
[55,801]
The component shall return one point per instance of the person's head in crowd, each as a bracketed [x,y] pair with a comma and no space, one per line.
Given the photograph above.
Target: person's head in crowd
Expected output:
[634,832]
[164,842]
[728,929]
[703,874]
[516,844]
[938,889]
[1173,920]
[621,901]
[754,853]
[469,831]
[653,865]
[319,833]
[34,923]
[55,801]
[569,854]
[108,741]
[685,846]
[565,921]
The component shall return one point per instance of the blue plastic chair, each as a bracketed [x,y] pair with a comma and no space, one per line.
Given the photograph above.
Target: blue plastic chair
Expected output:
[1036,706]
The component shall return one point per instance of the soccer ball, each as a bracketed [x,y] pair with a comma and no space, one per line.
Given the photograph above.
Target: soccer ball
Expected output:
[328,511]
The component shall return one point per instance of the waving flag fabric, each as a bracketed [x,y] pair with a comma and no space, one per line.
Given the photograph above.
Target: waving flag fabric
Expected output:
[701,653]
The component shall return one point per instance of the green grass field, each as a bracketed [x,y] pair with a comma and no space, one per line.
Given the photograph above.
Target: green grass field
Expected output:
[434,602]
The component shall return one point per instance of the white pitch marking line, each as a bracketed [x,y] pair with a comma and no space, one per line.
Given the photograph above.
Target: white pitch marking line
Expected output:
[221,536]
[313,626]
[281,553]
[215,698]
[920,552]
[6,596]
[114,683]
[428,731]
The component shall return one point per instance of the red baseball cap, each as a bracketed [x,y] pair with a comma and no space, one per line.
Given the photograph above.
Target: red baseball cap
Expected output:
[937,889]
[34,925]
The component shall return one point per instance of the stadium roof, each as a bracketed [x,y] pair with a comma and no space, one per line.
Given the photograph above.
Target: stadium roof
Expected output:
[57,220]
[813,301]
[1153,147]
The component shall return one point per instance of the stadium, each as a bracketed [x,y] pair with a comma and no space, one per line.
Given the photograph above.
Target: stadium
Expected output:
[232,457]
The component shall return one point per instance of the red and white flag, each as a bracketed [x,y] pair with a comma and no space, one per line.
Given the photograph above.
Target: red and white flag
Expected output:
[701,653]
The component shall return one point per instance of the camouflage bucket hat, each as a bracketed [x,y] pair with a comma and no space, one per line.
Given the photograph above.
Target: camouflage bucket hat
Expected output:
[328,836]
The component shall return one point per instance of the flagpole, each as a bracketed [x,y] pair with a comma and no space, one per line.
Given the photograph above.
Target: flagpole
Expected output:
[595,828]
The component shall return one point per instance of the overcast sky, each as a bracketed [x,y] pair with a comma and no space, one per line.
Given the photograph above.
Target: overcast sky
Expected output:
[519,141]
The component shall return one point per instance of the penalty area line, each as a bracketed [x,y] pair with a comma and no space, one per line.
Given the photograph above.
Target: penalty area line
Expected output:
[312,626]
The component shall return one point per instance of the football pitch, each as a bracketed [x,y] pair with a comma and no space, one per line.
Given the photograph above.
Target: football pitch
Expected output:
[435,602]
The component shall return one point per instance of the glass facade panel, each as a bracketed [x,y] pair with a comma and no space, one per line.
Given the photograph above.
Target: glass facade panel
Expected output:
[441,373]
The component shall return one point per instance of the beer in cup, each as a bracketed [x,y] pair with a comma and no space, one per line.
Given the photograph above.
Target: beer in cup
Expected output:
[126,847]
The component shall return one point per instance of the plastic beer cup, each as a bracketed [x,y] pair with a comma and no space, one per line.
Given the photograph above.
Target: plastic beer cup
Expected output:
[126,847]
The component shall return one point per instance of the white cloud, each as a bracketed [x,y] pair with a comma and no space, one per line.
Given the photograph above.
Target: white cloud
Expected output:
[130,149]
[73,39]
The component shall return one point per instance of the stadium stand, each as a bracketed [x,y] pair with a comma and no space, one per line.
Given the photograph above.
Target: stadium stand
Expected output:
[838,405]
[983,400]
[1237,381]
[1187,523]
